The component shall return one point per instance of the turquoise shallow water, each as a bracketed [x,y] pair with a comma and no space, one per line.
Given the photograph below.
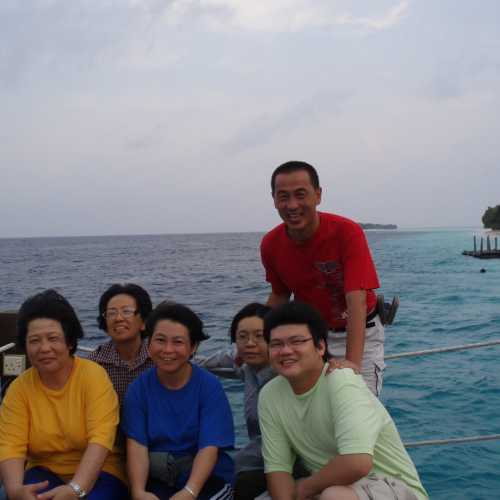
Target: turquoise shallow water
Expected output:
[445,301]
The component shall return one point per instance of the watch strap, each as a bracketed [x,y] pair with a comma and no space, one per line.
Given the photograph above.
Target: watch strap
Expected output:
[77,489]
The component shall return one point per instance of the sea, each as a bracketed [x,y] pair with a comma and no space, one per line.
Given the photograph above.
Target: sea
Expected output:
[445,301]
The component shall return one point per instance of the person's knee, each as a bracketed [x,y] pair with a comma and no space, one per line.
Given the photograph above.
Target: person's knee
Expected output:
[338,493]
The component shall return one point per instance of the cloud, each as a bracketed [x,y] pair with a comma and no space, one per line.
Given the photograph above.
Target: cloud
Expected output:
[391,18]
[278,15]
[68,39]
[304,114]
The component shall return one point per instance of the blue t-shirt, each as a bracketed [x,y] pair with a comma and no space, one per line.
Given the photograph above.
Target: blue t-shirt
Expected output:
[181,421]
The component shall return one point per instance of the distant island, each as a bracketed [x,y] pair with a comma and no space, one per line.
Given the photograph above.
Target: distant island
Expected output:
[369,225]
[491,218]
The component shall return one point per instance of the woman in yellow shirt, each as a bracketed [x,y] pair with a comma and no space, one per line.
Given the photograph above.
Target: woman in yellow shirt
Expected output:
[58,419]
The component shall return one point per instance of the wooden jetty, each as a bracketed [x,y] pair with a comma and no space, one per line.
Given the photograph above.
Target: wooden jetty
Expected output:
[484,253]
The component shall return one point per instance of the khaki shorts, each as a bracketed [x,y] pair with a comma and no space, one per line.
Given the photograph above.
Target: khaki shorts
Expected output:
[375,487]
[373,365]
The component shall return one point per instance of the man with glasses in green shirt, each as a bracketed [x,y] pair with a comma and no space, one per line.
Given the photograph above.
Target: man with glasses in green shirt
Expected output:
[339,429]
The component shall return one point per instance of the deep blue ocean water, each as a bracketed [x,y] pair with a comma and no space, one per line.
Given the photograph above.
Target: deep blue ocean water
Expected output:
[445,301]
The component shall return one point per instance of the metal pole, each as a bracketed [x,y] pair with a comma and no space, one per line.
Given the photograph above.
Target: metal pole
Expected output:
[6,347]
[442,349]
[475,245]
[472,439]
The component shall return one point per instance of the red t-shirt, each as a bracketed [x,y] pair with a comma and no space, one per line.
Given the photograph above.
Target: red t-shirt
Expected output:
[321,270]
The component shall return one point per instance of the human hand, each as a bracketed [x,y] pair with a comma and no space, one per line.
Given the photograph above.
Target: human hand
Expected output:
[333,364]
[303,491]
[28,491]
[63,492]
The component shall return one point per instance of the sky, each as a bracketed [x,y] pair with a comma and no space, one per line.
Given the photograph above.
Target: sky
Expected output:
[169,116]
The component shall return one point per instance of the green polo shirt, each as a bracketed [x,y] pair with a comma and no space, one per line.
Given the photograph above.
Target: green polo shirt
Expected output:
[338,416]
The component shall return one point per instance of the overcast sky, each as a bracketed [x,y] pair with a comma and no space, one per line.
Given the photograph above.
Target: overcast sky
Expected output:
[158,116]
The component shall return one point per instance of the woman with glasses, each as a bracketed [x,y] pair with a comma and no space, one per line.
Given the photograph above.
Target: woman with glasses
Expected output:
[249,363]
[123,309]
[177,418]
[58,419]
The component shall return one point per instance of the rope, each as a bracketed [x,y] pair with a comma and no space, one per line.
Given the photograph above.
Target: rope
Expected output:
[85,348]
[472,439]
[442,349]
[6,347]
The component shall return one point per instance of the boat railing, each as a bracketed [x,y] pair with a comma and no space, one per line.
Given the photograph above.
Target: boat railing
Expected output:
[410,444]
[7,347]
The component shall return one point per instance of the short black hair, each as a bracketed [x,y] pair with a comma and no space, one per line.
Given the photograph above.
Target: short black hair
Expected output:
[177,313]
[49,304]
[248,311]
[142,298]
[298,313]
[295,166]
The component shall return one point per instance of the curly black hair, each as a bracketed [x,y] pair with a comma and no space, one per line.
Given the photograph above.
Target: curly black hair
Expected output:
[49,304]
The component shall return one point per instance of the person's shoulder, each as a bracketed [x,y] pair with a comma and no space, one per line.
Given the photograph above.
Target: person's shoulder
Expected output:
[89,368]
[339,227]
[24,382]
[101,353]
[338,220]
[205,377]
[143,382]
[274,234]
[344,379]
[146,377]
[274,387]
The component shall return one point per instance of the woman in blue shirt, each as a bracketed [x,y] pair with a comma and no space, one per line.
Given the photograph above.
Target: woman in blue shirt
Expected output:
[177,418]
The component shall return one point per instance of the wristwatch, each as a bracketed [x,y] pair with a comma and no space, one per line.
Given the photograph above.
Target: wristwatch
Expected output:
[77,490]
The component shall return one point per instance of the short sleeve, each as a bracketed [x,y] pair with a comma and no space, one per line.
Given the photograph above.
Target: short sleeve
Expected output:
[216,419]
[355,413]
[134,414]
[276,450]
[101,407]
[272,276]
[14,423]
[359,269]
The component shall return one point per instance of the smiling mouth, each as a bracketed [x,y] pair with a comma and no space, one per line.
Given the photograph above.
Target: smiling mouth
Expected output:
[287,362]
[294,218]
[46,360]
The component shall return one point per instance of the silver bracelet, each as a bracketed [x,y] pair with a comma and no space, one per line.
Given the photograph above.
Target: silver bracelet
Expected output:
[190,491]
[77,490]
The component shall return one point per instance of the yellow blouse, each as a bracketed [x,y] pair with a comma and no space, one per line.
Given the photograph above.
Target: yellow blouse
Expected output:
[52,428]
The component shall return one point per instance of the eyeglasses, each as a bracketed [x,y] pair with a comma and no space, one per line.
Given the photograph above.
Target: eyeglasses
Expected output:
[257,337]
[292,342]
[125,313]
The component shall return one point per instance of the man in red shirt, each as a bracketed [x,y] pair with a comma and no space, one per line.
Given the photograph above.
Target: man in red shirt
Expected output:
[324,260]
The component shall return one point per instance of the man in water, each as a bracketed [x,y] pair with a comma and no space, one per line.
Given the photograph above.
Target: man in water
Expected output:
[324,260]
[342,433]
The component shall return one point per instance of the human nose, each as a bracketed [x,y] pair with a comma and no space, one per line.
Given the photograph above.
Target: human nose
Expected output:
[168,346]
[285,347]
[44,345]
[292,203]
[119,314]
